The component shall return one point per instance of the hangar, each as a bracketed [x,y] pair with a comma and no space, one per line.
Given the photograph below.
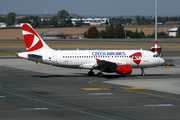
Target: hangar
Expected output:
[2,25]
[172,32]
[52,35]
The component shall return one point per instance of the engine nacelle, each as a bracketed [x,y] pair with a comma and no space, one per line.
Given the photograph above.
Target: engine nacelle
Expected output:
[124,69]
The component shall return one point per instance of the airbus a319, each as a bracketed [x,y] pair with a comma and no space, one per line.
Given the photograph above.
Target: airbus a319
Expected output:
[119,61]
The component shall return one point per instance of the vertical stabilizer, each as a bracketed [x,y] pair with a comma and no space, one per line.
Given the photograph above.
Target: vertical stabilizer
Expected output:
[32,40]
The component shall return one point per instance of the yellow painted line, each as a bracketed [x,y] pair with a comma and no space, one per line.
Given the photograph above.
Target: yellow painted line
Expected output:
[153,95]
[176,43]
[91,82]
[96,88]
[121,88]
[130,88]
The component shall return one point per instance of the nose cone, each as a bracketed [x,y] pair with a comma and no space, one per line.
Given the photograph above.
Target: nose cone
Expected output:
[161,61]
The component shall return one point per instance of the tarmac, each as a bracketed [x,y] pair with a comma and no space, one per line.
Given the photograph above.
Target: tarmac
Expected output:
[37,91]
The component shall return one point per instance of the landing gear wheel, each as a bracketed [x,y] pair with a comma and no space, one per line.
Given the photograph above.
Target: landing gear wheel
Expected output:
[91,73]
[142,72]
[100,74]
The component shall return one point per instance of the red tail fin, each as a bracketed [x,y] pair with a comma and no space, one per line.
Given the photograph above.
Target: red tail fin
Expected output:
[32,40]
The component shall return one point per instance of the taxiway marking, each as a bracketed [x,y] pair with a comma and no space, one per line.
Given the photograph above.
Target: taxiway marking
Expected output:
[161,105]
[100,108]
[121,88]
[34,109]
[60,106]
[153,95]
[100,93]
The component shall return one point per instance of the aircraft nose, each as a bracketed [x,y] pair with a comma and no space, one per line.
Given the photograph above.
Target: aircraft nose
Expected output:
[162,61]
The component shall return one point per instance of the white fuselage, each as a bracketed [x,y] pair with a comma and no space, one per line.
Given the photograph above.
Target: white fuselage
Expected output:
[87,58]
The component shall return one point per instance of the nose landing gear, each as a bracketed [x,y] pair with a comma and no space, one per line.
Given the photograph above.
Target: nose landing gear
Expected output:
[142,72]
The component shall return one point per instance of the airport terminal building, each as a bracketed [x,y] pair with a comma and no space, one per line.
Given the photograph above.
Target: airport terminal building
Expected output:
[91,21]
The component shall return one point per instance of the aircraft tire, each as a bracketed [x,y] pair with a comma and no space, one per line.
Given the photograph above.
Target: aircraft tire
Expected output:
[91,73]
[100,74]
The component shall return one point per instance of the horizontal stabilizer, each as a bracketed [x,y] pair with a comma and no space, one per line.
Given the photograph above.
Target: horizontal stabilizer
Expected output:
[34,57]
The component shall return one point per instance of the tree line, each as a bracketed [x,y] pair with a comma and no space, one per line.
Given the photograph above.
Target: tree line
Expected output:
[61,19]
[119,32]
[141,20]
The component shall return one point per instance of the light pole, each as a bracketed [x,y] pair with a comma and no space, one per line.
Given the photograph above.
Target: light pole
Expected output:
[156,12]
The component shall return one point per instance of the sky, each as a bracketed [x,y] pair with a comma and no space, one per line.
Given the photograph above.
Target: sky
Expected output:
[92,7]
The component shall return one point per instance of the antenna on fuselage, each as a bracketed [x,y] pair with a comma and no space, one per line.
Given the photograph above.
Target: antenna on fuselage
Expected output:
[156,12]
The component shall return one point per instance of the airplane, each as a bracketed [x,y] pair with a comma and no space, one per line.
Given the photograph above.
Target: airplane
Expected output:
[119,61]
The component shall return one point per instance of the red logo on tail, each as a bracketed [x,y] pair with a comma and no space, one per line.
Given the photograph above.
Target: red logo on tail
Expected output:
[32,40]
[136,57]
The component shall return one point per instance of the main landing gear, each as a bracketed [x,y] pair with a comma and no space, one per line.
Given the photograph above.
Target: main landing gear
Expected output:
[91,73]
[99,74]
[142,72]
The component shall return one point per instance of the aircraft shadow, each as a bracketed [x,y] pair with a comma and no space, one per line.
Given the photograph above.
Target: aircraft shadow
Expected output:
[110,76]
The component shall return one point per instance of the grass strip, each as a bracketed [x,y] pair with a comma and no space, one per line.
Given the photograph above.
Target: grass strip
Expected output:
[63,44]
[8,52]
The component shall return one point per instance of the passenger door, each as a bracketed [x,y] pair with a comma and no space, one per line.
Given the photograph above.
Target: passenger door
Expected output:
[146,58]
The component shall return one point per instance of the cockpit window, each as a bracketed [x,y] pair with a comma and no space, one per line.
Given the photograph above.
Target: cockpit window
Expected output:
[155,56]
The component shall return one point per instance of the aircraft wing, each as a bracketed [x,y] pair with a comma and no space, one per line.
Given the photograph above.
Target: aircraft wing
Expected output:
[106,64]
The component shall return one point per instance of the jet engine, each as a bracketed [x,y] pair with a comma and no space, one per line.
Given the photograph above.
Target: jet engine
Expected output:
[124,69]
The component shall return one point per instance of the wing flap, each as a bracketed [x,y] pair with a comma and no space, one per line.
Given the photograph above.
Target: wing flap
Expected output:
[107,62]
